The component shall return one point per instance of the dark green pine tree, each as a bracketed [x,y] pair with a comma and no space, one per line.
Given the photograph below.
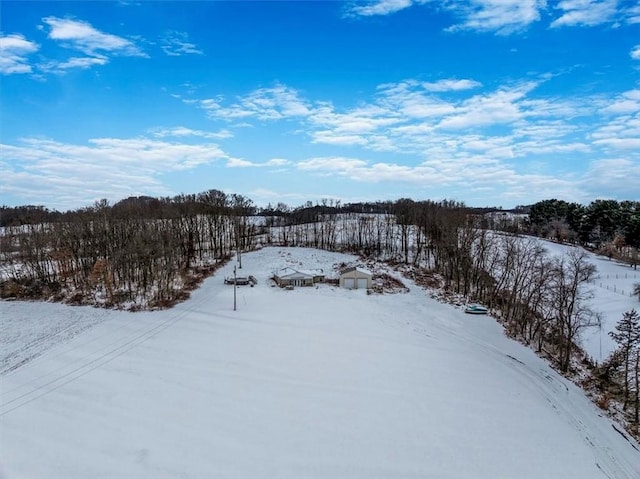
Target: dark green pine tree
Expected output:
[627,335]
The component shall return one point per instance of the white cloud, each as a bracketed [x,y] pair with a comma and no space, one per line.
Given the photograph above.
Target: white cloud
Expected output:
[451,85]
[408,98]
[181,131]
[632,144]
[339,165]
[14,52]
[500,16]
[330,137]
[635,52]
[505,17]
[585,12]
[73,62]
[628,102]
[478,131]
[621,132]
[274,103]
[380,7]
[351,127]
[177,44]
[81,36]
[500,107]
[113,168]
[241,163]
[632,14]
[474,173]
[278,162]
[621,175]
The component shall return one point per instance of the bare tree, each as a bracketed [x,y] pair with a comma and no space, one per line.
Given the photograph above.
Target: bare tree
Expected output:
[571,274]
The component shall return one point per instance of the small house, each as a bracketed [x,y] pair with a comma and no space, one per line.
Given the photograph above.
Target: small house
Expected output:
[293,277]
[355,278]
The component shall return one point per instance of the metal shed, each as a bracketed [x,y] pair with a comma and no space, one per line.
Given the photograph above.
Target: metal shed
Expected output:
[355,278]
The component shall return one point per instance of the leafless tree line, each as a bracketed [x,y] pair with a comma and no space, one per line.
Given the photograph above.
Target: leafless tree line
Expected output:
[142,253]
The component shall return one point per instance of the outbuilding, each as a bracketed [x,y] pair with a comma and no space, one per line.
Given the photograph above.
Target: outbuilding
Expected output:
[355,278]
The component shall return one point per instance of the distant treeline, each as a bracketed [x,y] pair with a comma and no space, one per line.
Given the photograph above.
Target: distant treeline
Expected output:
[600,222]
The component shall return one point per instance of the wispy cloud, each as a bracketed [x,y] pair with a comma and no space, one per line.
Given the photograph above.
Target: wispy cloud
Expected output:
[181,131]
[110,168]
[79,35]
[632,14]
[460,130]
[177,44]
[585,12]
[471,173]
[242,163]
[625,103]
[500,16]
[14,54]
[73,62]
[379,7]
[615,174]
[451,85]
[276,103]
[619,130]
[340,165]
[505,17]
[278,162]
[499,107]
[412,117]
[635,52]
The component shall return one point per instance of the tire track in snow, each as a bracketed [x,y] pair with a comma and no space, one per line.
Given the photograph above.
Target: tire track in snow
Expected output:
[47,339]
[552,389]
[104,346]
[559,397]
[59,380]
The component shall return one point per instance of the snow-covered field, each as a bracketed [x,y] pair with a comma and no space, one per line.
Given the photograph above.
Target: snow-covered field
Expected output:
[612,296]
[311,383]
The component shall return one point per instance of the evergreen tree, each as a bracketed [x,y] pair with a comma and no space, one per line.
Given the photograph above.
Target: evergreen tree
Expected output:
[627,335]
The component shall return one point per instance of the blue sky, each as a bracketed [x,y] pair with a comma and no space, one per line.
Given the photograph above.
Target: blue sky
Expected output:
[490,102]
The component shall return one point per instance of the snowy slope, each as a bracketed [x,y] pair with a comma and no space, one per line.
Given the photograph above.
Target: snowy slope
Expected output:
[612,296]
[311,383]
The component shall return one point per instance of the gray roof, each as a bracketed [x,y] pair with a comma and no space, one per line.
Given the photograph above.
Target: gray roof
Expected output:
[356,268]
[291,273]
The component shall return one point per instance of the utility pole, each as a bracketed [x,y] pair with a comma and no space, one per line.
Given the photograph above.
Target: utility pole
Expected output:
[239,245]
[235,286]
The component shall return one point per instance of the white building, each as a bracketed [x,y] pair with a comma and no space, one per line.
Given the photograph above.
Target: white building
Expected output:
[293,277]
[355,278]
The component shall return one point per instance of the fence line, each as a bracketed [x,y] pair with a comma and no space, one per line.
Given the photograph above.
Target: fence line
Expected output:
[619,276]
[613,288]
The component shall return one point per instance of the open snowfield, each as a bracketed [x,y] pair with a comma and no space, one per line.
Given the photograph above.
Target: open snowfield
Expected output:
[311,383]
[612,297]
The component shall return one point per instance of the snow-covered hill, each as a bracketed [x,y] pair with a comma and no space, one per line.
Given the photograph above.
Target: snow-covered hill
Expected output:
[310,383]
[612,296]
